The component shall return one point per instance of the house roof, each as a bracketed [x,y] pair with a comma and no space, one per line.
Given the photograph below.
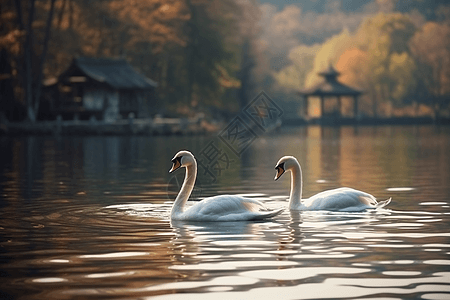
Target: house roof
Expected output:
[117,73]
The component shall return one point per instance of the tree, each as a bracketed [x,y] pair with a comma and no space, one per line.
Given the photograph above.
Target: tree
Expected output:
[246,40]
[431,49]
[32,84]
[355,71]
[402,69]
[329,52]
[10,47]
[208,54]
[294,76]
[183,44]
[385,38]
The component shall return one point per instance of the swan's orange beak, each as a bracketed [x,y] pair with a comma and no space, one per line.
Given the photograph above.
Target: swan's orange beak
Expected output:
[176,164]
[280,171]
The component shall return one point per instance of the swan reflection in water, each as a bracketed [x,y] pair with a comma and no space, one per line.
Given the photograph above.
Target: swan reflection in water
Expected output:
[306,231]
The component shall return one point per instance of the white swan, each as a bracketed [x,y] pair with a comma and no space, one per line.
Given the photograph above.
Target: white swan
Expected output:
[217,208]
[341,199]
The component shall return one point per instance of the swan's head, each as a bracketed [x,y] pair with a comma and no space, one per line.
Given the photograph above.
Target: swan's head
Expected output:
[182,159]
[286,163]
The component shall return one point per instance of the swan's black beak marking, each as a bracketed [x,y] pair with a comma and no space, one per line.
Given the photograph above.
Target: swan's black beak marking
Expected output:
[280,171]
[176,164]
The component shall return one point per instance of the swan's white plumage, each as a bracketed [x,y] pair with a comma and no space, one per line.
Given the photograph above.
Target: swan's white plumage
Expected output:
[227,208]
[217,208]
[341,199]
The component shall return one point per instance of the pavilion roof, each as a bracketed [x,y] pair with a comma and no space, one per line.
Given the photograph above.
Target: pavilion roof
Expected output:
[330,86]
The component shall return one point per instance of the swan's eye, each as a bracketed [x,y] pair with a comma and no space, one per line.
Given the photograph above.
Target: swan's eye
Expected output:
[176,163]
[177,159]
[280,171]
[280,166]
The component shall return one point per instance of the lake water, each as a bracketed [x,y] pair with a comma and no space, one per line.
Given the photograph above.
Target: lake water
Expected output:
[88,218]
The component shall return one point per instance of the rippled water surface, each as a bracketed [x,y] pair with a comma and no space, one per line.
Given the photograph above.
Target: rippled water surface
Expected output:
[88,218]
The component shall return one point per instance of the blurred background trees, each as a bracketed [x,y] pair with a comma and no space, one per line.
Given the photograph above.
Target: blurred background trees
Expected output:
[213,56]
[400,60]
[430,47]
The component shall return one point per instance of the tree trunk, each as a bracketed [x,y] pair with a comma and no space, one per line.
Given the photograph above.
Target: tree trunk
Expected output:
[193,35]
[48,27]
[61,13]
[33,89]
[28,80]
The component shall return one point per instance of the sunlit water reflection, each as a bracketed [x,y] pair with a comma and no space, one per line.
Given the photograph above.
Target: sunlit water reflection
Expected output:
[88,218]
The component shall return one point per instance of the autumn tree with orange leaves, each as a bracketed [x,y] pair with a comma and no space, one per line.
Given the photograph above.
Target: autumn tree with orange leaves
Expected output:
[390,59]
[431,49]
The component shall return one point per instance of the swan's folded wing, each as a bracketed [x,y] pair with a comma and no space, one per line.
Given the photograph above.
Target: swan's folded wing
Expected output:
[341,199]
[226,204]
[229,208]
[267,214]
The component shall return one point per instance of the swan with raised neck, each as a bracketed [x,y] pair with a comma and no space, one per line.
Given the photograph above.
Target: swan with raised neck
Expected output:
[340,199]
[217,208]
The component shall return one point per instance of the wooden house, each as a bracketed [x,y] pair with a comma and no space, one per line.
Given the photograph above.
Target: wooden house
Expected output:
[108,89]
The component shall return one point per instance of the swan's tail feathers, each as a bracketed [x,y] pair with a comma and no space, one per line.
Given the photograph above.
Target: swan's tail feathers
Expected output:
[268,214]
[383,203]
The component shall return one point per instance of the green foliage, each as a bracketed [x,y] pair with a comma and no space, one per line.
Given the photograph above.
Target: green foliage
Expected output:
[294,76]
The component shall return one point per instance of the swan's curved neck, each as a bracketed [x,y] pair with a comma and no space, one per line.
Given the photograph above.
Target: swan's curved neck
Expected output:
[186,189]
[295,198]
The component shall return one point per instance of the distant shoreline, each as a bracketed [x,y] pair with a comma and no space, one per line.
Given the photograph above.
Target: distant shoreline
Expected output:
[179,127]
[120,127]
[367,121]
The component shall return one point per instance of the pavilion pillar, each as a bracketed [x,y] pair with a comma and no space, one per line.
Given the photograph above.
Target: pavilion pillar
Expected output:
[322,106]
[305,107]
[339,106]
[355,106]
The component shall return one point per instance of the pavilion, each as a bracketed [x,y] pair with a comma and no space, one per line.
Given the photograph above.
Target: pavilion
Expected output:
[331,88]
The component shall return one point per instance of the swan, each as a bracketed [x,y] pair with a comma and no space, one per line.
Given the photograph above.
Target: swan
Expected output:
[340,199]
[217,208]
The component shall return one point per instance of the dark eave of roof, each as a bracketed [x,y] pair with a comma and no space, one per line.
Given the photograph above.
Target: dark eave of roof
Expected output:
[330,88]
[117,73]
